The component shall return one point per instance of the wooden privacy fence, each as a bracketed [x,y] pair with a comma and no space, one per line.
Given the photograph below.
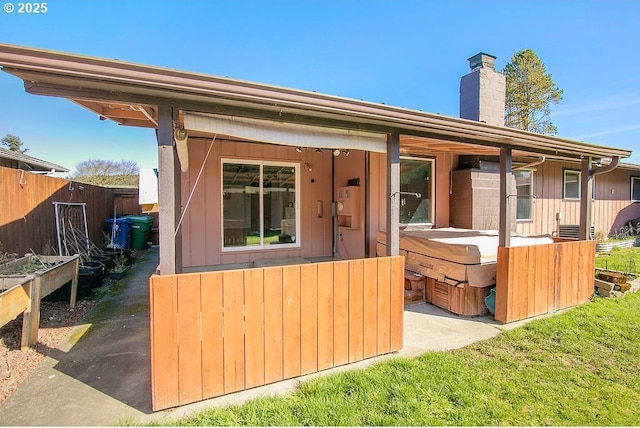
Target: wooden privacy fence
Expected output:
[214,333]
[27,217]
[538,279]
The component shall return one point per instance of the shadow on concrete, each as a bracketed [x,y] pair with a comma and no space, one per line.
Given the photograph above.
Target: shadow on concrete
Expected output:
[113,354]
[100,374]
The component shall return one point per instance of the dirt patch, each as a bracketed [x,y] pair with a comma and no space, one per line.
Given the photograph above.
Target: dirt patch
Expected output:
[56,320]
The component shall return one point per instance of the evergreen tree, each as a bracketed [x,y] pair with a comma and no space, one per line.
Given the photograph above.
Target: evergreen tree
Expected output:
[529,94]
[13,143]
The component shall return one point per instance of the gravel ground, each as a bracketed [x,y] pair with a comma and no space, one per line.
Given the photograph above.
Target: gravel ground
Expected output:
[56,320]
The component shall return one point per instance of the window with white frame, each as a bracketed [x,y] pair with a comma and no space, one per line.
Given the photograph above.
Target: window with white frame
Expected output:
[416,176]
[260,203]
[571,184]
[524,192]
[635,189]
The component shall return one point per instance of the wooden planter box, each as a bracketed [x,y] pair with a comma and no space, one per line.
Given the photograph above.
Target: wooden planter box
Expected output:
[21,294]
[465,300]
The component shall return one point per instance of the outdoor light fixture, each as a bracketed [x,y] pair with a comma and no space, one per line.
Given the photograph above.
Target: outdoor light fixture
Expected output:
[307,165]
[318,150]
[336,152]
[345,153]
[299,149]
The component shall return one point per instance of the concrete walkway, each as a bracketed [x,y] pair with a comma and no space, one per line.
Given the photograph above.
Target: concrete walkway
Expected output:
[100,374]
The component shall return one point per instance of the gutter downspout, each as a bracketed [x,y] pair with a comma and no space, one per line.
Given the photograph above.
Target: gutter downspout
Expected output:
[615,160]
[529,165]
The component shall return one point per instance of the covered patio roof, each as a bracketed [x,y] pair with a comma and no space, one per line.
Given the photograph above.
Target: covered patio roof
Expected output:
[130,94]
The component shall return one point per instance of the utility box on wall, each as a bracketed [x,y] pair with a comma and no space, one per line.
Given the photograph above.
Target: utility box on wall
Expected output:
[349,207]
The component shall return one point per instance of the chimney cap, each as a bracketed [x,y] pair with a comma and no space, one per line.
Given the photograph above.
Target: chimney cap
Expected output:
[482,60]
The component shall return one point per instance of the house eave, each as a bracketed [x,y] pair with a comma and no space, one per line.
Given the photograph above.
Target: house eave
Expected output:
[82,79]
[31,163]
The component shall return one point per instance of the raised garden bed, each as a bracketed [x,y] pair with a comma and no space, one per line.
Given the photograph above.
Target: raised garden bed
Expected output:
[25,281]
[607,245]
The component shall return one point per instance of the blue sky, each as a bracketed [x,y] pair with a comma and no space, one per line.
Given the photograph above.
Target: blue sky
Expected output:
[407,53]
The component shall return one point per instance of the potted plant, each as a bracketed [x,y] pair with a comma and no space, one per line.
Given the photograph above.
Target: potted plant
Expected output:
[120,268]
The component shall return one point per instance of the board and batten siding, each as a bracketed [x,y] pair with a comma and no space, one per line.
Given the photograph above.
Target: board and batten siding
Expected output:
[611,209]
[201,234]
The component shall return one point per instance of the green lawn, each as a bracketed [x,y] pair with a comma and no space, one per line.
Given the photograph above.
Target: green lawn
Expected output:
[581,367]
[621,259]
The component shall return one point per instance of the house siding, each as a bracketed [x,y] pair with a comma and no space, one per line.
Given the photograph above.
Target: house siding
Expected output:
[611,209]
[201,238]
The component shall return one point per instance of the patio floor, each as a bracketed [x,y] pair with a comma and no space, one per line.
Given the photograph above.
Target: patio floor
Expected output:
[100,374]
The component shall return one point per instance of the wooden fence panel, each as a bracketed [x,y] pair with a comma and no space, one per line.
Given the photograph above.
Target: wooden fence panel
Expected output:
[325,316]
[524,289]
[291,320]
[356,310]
[396,334]
[384,306]
[189,348]
[309,318]
[274,359]
[232,294]
[586,267]
[164,341]
[340,313]
[370,309]
[219,332]
[254,322]
[212,331]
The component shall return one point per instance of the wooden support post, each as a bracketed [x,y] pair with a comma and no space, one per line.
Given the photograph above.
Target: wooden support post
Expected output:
[393,194]
[31,316]
[74,283]
[586,190]
[168,194]
[504,232]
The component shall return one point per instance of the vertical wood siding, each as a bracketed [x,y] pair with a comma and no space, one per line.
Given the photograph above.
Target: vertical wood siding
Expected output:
[201,235]
[611,209]
[524,289]
[215,333]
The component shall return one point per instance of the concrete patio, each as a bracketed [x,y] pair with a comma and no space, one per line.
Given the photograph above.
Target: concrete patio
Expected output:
[100,373]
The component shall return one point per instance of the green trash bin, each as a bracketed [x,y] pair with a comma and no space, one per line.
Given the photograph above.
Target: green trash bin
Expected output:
[140,228]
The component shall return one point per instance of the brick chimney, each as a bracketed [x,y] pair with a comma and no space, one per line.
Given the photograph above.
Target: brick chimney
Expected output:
[482,91]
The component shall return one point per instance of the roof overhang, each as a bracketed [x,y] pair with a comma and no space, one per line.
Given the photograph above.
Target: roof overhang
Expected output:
[130,93]
[30,163]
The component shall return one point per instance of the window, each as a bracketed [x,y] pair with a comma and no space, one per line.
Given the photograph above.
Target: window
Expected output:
[416,176]
[260,204]
[571,184]
[635,189]
[524,191]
